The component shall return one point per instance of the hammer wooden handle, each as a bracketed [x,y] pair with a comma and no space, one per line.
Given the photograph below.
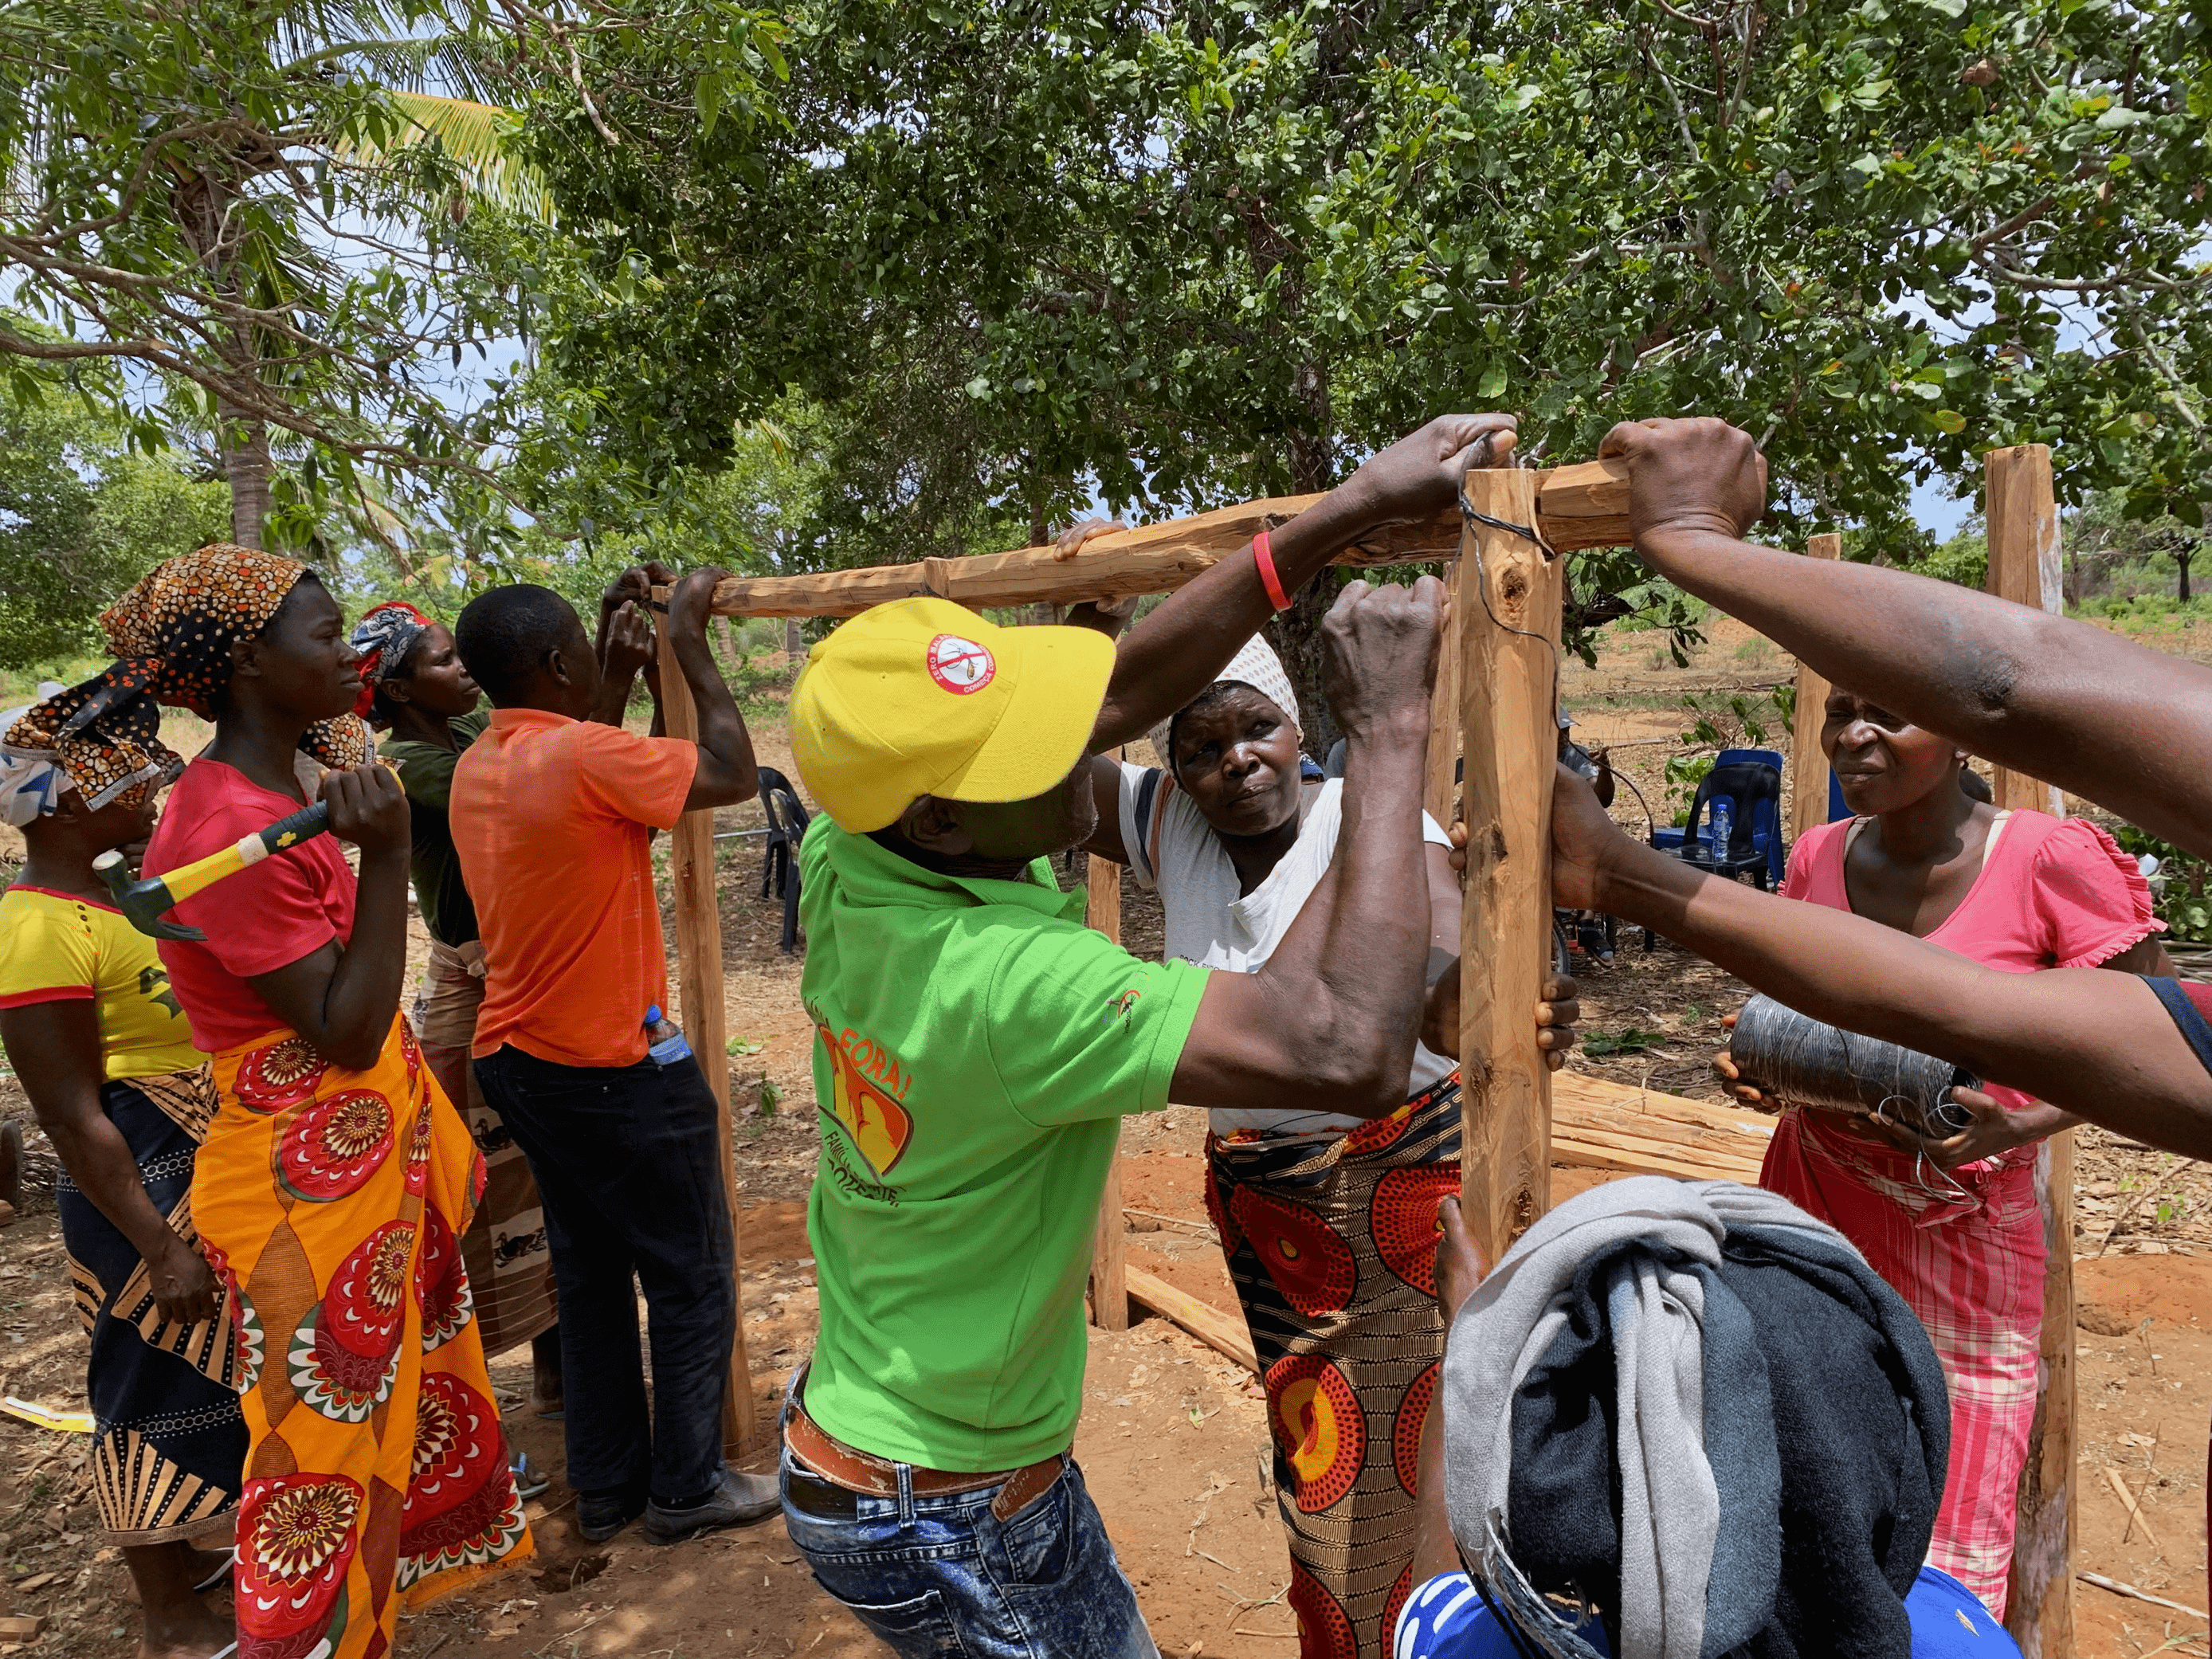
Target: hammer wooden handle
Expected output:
[201,873]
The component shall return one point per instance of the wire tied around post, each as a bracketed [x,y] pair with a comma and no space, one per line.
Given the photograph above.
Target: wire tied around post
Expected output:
[1473,515]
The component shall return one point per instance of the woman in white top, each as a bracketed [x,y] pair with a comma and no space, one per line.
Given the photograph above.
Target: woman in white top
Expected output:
[1329,1222]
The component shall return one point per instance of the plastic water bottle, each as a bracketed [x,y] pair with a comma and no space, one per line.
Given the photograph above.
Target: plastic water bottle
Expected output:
[663,1038]
[1723,825]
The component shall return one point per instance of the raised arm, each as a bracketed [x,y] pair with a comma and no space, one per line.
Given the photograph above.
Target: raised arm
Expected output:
[2098,1044]
[1177,652]
[344,998]
[627,644]
[1328,1024]
[2127,727]
[727,772]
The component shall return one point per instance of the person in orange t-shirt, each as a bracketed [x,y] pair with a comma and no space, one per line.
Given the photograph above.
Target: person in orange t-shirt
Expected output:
[552,819]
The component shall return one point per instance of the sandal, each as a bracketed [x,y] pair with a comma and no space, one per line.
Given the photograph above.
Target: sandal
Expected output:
[529,1482]
[219,1576]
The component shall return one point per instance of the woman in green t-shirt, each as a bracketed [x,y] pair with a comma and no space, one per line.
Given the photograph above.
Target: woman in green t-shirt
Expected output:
[414,688]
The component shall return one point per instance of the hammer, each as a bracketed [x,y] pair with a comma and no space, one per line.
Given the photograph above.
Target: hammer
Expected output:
[144,902]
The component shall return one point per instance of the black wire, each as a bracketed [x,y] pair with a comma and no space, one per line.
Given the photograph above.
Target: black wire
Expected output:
[1526,533]
[1651,824]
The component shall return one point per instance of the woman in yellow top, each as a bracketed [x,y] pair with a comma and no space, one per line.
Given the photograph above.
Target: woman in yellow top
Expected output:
[107,1059]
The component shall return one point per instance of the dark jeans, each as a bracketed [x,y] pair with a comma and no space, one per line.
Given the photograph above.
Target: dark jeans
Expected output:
[934,1577]
[625,1161]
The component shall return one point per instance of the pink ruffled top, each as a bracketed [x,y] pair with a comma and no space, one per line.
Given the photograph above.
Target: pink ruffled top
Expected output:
[2052,893]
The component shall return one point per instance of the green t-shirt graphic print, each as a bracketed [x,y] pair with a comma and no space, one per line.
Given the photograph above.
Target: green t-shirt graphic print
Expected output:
[975,1046]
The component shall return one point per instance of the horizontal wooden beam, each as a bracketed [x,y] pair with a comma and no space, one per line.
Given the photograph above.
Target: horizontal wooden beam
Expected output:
[1223,1333]
[1577,508]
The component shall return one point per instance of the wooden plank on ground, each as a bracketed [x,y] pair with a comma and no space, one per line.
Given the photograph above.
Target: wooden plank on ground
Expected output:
[1600,1124]
[705,1019]
[1574,506]
[1808,762]
[2022,515]
[1223,1333]
[1109,1285]
[1506,615]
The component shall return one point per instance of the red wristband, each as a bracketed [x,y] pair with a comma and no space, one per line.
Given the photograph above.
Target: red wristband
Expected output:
[1264,554]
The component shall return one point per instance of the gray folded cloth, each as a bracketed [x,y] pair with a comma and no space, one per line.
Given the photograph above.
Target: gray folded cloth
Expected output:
[1611,1350]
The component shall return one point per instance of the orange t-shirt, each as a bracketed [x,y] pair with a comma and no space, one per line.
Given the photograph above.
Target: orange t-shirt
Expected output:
[550,817]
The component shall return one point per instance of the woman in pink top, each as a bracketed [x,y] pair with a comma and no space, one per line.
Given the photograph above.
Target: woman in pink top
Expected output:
[1955,1225]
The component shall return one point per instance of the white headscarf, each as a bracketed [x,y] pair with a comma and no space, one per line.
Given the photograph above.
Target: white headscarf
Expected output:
[1255,664]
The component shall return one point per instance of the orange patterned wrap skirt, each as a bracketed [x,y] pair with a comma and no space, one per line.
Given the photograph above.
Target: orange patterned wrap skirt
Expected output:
[331,1203]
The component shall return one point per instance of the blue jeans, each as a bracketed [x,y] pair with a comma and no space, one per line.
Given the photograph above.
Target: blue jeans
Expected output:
[936,1577]
[626,1166]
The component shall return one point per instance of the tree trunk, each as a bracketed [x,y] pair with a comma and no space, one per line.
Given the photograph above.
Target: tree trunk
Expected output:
[245,445]
[794,648]
[2182,559]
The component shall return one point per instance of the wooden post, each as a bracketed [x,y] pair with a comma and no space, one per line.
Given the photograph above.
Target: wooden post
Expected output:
[1509,713]
[1109,1270]
[699,968]
[1809,762]
[1442,787]
[2024,566]
[2022,514]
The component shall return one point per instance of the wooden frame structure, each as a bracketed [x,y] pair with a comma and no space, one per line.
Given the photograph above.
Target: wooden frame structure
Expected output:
[1498,683]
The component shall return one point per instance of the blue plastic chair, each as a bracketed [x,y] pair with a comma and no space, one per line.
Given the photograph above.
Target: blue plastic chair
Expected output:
[1762,817]
[1752,781]
[1765,815]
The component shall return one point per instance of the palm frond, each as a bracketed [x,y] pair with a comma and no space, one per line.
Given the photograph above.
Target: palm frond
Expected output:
[473,134]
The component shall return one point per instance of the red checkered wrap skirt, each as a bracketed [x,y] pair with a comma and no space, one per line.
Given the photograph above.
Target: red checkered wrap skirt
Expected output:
[1970,1262]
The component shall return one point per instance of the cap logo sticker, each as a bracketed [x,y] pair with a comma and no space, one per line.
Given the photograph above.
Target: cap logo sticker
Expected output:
[960,666]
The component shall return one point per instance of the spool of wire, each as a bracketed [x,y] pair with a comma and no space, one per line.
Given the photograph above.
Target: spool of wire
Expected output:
[1799,1061]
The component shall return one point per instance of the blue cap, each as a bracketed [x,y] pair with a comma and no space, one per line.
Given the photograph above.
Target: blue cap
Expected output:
[652,1015]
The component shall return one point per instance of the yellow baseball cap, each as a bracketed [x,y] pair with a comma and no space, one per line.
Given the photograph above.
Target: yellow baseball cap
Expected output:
[924,698]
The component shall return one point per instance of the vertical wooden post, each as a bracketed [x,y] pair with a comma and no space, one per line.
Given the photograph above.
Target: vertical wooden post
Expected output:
[1441,787]
[2024,566]
[1509,713]
[1109,1267]
[699,968]
[2021,512]
[1809,762]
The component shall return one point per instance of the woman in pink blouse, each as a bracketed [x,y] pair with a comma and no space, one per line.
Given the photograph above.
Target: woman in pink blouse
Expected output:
[1955,1225]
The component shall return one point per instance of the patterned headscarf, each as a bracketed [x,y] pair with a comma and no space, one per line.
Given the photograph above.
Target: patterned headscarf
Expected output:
[36,764]
[171,636]
[1255,665]
[384,637]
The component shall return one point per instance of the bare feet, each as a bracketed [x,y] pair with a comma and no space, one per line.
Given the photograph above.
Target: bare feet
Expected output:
[178,1624]
[187,1636]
